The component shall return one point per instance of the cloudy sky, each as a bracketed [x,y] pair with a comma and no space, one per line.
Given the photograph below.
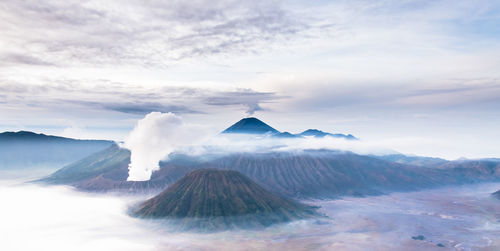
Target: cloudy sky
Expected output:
[420,76]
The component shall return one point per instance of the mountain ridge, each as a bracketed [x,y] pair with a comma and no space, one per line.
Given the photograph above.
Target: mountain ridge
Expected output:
[17,135]
[308,174]
[255,126]
[25,149]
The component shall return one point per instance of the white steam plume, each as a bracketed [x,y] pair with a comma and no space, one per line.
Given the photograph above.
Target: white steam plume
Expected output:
[153,138]
[252,108]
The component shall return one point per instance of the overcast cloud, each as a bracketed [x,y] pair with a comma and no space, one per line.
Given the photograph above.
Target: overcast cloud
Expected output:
[381,70]
[145,33]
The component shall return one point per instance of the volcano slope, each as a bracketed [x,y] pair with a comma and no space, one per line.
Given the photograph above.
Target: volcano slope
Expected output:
[213,199]
[304,175]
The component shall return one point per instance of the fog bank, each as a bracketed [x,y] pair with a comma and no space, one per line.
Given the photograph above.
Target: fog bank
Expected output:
[58,218]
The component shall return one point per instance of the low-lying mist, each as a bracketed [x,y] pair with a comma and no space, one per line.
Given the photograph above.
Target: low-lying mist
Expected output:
[57,218]
[35,217]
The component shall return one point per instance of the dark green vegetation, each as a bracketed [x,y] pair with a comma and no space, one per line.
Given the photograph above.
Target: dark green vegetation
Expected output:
[22,150]
[256,126]
[308,174]
[213,199]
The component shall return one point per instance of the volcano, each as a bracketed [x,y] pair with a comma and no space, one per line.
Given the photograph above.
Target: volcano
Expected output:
[251,126]
[256,126]
[213,199]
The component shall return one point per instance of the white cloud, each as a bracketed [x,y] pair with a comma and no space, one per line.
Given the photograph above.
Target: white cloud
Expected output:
[57,218]
[149,34]
[154,137]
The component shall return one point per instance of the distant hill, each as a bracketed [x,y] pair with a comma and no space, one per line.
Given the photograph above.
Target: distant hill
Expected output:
[24,150]
[107,171]
[320,134]
[212,199]
[109,160]
[414,160]
[496,194]
[256,126]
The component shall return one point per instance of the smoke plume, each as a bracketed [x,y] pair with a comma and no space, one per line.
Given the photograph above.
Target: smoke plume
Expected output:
[153,138]
[252,108]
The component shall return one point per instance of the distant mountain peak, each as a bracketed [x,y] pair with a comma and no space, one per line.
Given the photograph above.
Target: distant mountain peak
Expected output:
[314,132]
[496,194]
[320,134]
[251,125]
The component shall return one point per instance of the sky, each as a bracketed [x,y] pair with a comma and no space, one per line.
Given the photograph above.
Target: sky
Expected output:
[420,77]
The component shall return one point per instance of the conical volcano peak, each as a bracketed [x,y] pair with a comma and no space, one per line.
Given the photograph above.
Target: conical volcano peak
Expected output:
[251,125]
[214,199]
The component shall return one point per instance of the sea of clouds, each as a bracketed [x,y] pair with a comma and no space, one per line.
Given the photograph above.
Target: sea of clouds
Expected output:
[36,217]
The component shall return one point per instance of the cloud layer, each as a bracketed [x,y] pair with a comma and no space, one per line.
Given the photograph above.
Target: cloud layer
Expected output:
[151,33]
[57,218]
[98,94]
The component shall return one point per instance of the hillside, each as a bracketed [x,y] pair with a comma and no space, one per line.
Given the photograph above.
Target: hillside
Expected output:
[109,162]
[308,174]
[413,160]
[320,134]
[23,150]
[218,199]
[496,194]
